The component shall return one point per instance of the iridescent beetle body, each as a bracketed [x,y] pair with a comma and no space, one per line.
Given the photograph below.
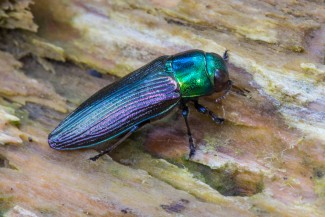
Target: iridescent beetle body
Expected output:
[145,94]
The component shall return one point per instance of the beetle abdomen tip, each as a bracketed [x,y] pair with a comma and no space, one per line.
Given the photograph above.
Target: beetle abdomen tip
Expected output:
[53,143]
[56,141]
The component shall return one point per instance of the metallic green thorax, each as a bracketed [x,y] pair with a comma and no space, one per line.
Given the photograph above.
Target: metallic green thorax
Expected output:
[194,71]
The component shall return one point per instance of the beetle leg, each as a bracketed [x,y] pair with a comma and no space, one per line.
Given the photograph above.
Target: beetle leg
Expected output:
[112,147]
[189,134]
[202,109]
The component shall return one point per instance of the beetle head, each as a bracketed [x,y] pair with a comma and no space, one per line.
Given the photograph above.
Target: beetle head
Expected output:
[216,66]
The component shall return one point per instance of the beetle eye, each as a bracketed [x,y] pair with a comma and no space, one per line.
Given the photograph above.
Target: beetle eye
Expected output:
[221,78]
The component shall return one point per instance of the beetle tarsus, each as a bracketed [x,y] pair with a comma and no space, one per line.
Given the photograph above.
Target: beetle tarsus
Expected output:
[192,150]
[215,118]
[109,149]
[185,112]
[95,157]
[204,110]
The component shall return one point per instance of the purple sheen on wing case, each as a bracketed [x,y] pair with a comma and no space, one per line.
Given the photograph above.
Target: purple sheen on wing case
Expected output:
[146,93]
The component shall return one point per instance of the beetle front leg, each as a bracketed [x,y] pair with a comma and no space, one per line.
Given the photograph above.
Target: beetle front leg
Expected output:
[185,112]
[202,109]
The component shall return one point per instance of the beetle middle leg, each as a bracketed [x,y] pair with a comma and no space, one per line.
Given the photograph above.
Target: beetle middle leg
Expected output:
[204,110]
[185,112]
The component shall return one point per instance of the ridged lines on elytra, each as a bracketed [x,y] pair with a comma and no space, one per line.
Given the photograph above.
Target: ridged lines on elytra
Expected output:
[133,111]
[156,69]
[95,104]
[134,105]
[91,110]
[82,138]
[89,139]
[112,105]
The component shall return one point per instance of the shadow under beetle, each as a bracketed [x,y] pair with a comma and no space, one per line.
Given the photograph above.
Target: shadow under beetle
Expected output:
[148,93]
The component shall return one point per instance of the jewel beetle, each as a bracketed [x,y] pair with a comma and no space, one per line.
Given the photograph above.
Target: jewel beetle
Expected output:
[148,93]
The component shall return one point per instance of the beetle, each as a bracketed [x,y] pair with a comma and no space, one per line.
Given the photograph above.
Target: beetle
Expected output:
[148,93]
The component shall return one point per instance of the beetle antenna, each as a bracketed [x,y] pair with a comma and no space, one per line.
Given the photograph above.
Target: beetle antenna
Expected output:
[226,56]
[240,91]
[226,92]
